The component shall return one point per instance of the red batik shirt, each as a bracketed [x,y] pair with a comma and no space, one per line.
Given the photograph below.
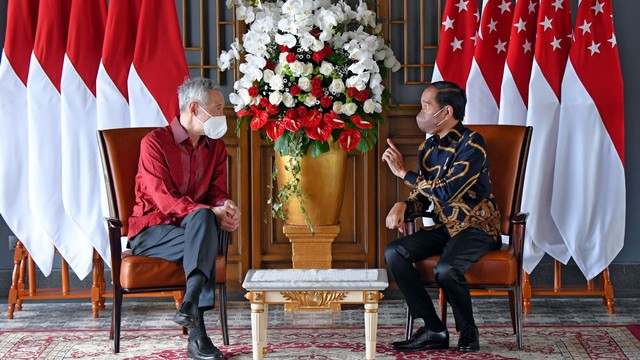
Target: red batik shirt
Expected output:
[175,178]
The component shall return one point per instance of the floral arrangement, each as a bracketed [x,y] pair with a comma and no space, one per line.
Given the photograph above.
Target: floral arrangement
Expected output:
[312,73]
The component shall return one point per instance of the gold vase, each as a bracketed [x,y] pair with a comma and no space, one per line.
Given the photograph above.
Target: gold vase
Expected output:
[322,184]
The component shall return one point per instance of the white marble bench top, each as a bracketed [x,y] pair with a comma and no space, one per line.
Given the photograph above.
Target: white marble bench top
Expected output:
[316,279]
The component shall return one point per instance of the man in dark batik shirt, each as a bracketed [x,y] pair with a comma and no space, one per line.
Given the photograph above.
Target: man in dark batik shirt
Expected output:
[453,175]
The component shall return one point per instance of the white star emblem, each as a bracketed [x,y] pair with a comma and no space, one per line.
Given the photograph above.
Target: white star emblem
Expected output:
[456,44]
[505,6]
[557,4]
[526,46]
[477,15]
[555,43]
[598,8]
[474,38]
[585,27]
[532,7]
[521,25]
[613,40]
[501,46]
[462,5]
[595,48]
[448,23]
[547,23]
[492,26]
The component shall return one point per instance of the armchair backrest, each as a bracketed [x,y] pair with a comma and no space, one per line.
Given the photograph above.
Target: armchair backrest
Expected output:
[508,148]
[120,152]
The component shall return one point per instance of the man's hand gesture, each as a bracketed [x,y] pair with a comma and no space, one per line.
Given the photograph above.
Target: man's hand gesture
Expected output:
[228,214]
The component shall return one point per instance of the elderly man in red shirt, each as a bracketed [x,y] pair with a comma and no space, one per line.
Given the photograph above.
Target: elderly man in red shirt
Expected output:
[182,202]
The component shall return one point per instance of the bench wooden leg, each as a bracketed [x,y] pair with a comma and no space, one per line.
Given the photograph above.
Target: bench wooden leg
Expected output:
[370,329]
[258,330]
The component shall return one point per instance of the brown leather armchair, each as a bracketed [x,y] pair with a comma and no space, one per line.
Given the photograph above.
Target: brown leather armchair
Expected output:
[120,151]
[508,148]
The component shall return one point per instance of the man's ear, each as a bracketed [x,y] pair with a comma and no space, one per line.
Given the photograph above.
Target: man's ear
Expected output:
[193,107]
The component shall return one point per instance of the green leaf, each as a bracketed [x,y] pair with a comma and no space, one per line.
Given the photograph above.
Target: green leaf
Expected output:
[319,148]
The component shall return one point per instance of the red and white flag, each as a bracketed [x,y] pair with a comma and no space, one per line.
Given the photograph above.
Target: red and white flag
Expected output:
[589,183]
[552,50]
[117,58]
[44,107]
[514,92]
[485,77]
[457,41]
[80,160]
[159,65]
[14,148]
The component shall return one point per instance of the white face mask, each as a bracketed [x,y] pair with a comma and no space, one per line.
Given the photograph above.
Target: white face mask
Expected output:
[215,127]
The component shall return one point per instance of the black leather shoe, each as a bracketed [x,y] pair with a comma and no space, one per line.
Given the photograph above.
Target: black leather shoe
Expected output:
[423,339]
[469,339]
[203,349]
[187,315]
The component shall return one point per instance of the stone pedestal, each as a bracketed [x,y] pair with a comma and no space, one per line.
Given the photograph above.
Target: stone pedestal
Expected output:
[311,250]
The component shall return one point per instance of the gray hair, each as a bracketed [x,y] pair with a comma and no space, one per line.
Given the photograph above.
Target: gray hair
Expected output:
[195,89]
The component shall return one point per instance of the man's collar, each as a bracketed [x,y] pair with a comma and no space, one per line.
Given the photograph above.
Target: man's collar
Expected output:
[454,135]
[180,134]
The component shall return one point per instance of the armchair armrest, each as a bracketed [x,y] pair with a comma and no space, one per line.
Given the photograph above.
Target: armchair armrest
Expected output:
[409,226]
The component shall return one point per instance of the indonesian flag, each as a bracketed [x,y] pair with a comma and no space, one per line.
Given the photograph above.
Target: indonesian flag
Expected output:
[80,161]
[514,92]
[589,185]
[457,42]
[14,148]
[117,57]
[159,65]
[552,50]
[485,78]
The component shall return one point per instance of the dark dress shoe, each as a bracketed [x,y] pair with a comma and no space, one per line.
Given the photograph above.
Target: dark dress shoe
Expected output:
[469,339]
[187,315]
[424,339]
[203,349]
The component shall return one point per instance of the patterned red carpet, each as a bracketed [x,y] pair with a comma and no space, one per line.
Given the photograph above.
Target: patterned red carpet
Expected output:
[541,342]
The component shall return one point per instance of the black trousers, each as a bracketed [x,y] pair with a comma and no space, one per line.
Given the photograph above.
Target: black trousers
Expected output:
[194,244]
[457,254]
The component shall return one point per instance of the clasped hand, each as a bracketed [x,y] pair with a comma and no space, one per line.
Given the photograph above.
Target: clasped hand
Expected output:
[228,215]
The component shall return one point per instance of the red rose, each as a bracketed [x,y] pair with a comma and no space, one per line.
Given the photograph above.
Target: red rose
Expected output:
[270,65]
[316,82]
[352,92]
[273,109]
[315,32]
[326,102]
[283,48]
[264,102]
[361,123]
[318,56]
[302,111]
[292,113]
[317,92]
[363,96]
[291,57]
[327,50]
[295,90]
[253,91]
[349,139]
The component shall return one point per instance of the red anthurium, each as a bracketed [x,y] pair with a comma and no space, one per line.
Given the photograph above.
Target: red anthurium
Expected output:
[245,112]
[291,124]
[334,120]
[360,122]
[320,132]
[259,120]
[312,119]
[274,129]
[349,139]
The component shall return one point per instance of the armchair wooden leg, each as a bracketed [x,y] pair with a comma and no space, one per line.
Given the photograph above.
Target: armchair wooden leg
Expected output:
[117,317]
[518,317]
[512,310]
[526,293]
[442,301]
